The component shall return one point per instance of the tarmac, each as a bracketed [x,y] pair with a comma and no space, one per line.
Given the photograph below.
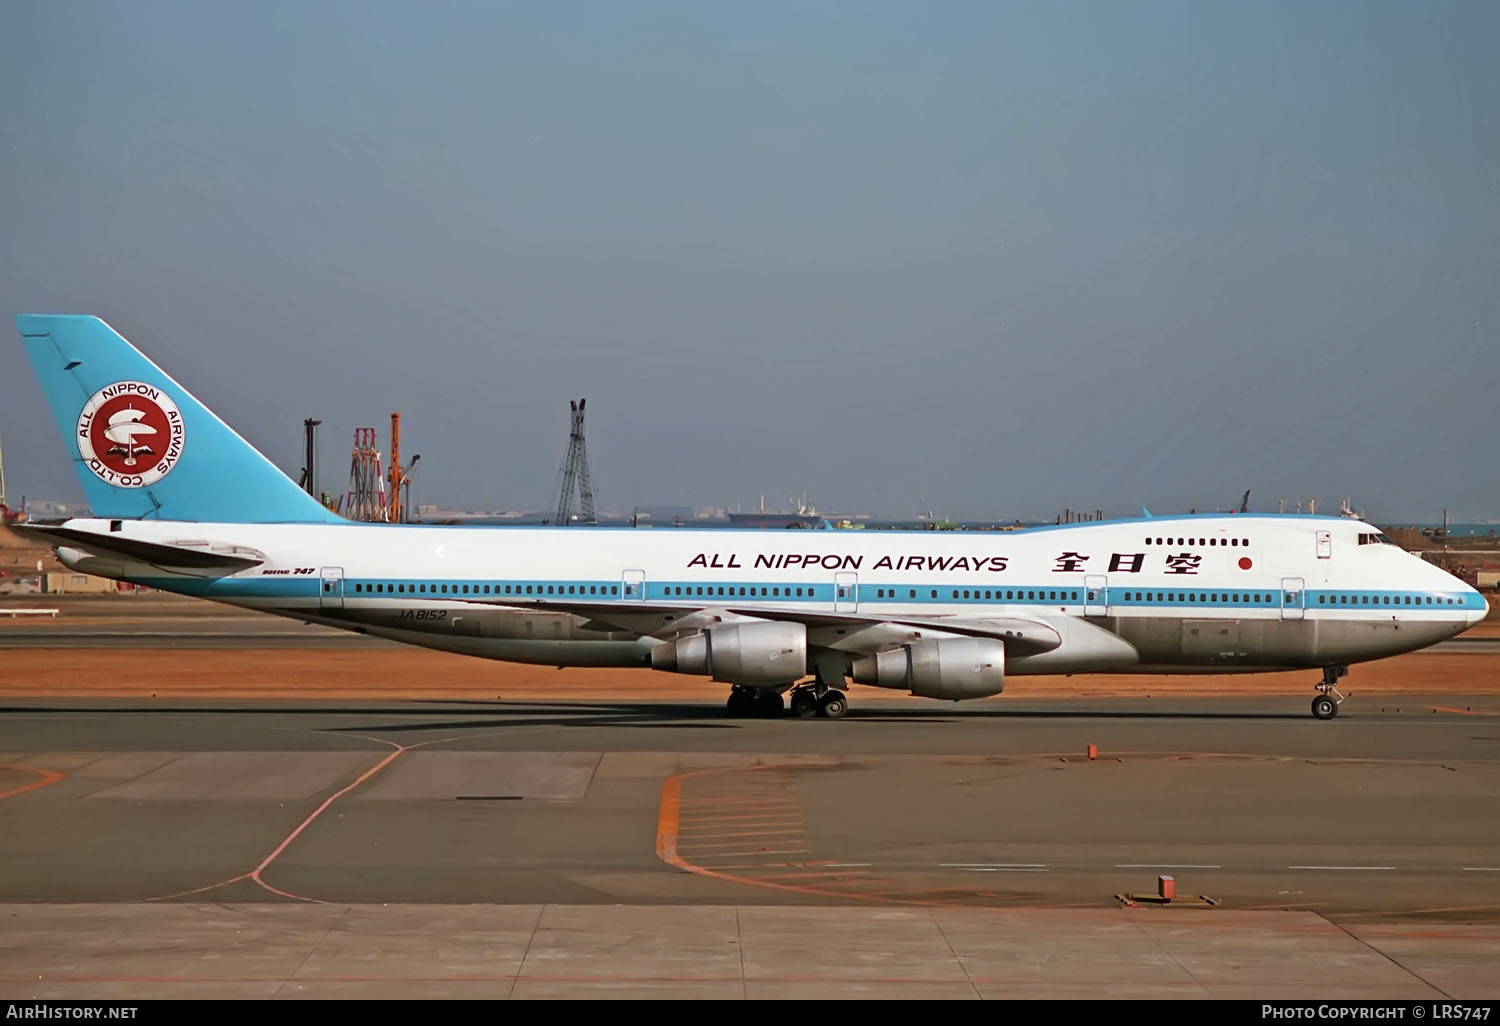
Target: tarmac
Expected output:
[199,803]
[628,848]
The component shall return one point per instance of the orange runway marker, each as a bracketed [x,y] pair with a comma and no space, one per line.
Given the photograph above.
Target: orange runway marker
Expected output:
[47,777]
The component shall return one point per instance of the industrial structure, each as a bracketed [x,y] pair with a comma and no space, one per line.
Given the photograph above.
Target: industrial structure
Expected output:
[575,474]
[367,498]
[309,480]
[400,495]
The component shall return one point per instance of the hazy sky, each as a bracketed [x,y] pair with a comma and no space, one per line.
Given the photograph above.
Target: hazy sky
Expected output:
[992,259]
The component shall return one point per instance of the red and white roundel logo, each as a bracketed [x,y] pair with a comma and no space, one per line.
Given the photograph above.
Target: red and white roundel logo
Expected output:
[130,434]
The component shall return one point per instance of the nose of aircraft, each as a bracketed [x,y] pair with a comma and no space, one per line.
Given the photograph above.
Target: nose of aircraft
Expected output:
[1476,607]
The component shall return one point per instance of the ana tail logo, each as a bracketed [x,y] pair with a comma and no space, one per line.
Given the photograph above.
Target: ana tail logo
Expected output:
[130,434]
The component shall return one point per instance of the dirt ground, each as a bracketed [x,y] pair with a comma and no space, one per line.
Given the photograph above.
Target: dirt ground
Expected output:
[420,674]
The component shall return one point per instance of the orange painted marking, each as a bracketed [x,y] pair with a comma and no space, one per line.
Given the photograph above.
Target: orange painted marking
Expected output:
[1450,709]
[669,836]
[47,777]
[704,840]
[714,828]
[667,822]
[778,814]
[366,775]
[755,851]
[763,802]
[254,875]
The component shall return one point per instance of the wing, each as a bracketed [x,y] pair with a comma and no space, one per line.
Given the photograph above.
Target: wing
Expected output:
[854,632]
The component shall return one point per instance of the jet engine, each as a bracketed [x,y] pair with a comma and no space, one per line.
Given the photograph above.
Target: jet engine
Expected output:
[952,668]
[760,653]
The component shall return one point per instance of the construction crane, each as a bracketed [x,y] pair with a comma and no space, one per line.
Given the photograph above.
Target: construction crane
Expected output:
[400,495]
[575,473]
[366,499]
[309,461]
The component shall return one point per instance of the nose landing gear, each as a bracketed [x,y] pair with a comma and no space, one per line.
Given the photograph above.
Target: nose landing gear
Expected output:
[1326,705]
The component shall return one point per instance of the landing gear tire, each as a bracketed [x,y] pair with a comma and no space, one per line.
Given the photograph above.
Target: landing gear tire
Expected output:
[1326,705]
[744,702]
[804,704]
[833,705]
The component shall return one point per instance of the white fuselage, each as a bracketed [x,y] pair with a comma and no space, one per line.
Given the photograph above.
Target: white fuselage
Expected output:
[1183,594]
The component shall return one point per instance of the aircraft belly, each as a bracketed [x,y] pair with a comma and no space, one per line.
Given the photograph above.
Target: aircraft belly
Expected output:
[1208,643]
[1211,644]
[1349,641]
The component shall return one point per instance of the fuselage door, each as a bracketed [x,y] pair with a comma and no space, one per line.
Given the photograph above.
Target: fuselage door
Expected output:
[1095,596]
[633,585]
[1325,544]
[845,593]
[331,588]
[1292,598]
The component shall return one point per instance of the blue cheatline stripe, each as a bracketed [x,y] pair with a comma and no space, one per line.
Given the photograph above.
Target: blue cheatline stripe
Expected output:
[868,594]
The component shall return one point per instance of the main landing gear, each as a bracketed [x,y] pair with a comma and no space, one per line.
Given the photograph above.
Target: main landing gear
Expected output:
[808,700]
[1326,705]
[818,699]
[747,702]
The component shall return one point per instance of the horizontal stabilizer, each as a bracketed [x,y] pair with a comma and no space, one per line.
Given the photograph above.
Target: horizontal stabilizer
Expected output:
[179,556]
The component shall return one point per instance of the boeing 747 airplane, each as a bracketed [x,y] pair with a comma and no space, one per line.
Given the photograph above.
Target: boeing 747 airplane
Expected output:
[184,504]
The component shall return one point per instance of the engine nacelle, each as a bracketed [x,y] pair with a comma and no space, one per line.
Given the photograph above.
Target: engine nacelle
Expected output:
[952,668]
[764,652]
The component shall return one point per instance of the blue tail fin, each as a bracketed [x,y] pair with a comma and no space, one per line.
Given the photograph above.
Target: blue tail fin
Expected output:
[143,446]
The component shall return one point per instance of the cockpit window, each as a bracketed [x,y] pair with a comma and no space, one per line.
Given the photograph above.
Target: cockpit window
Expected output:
[1374,538]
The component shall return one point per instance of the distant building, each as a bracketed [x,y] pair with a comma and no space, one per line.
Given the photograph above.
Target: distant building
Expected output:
[70,582]
[663,513]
